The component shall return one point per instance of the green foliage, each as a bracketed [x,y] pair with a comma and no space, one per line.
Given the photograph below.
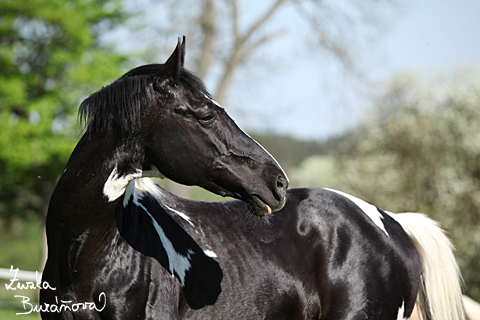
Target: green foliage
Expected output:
[11,314]
[421,152]
[50,57]
[21,244]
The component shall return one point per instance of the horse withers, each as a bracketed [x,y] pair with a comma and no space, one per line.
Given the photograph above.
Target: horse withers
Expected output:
[121,247]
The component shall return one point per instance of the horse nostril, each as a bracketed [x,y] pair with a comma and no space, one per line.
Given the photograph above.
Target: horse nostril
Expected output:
[282,184]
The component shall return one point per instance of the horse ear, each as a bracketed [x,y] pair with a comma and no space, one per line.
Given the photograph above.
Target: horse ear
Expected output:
[182,52]
[176,60]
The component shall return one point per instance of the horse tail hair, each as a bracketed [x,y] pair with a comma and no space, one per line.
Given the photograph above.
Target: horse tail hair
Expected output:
[440,294]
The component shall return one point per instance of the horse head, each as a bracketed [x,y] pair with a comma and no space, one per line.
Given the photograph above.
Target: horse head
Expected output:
[180,130]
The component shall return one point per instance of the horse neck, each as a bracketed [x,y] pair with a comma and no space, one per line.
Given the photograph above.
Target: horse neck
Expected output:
[80,191]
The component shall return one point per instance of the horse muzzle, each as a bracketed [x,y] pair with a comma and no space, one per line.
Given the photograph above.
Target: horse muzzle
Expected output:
[261,204]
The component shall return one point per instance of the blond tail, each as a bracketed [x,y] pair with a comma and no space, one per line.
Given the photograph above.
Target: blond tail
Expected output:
[440,296]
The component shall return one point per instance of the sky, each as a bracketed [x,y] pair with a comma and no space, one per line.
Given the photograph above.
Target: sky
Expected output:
[310,98]
[292,87]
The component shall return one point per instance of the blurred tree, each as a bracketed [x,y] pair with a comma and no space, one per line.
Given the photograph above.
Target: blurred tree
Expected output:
[50,57]
[420,151]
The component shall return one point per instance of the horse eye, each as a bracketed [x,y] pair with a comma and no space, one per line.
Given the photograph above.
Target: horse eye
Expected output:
[206,119]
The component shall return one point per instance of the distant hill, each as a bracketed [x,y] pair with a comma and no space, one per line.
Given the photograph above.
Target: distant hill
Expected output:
[290,151]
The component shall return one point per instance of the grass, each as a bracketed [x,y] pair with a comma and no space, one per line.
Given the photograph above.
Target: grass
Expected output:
[11,305]
[7,313]
[20,247]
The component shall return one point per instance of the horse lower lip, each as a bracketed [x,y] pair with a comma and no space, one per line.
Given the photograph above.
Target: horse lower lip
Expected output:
[269,210]
[260,207]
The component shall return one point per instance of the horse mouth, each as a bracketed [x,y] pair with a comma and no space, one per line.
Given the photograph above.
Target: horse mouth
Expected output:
[256,204]
[258,207]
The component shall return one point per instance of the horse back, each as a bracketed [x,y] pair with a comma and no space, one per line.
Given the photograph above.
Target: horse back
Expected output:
[320,257]
[370,263]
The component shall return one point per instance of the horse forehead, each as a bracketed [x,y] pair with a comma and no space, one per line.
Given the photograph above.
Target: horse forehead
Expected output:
[370,210]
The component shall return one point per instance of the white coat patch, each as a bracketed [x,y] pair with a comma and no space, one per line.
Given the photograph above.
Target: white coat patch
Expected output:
[115,185]
[401,312]
[178,263]
[370,210]
[181,215]
[210,253]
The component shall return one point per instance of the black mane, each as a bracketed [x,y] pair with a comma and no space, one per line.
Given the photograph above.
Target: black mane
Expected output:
[117,107]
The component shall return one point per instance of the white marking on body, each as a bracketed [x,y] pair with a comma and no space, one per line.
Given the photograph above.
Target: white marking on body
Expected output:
[401,312]
[128,193]
[370,210]
[210,253]
[115,186]
[180,214]
[178,263]
[149,186]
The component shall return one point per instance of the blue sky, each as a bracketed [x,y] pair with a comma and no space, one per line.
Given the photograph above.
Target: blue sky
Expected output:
[308,96]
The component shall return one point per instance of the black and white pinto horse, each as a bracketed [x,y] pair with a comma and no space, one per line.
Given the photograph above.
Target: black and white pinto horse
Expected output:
[121,247]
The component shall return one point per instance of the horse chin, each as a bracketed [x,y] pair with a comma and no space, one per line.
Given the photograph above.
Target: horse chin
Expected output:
[258,207]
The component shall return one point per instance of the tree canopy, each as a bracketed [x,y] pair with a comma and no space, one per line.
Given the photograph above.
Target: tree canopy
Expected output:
[51,57]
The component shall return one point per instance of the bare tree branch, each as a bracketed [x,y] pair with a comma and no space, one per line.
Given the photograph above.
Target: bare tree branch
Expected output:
[241,50]
[262,20]
[249,49]
[234,9]
[208,30]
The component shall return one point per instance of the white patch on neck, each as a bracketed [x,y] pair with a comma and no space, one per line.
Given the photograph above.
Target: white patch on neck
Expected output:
[178,263]
[115,186]
[370,210]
